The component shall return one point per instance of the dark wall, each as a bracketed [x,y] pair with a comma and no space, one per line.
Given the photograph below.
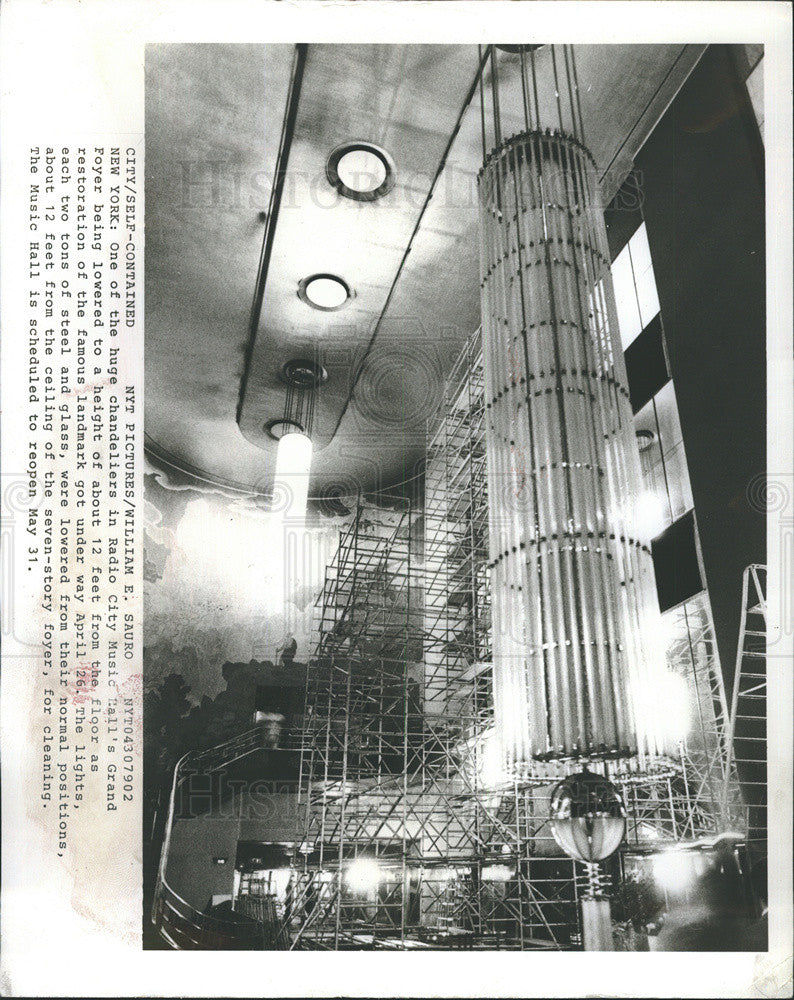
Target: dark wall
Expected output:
[256,815]
[703,201]
[623,215]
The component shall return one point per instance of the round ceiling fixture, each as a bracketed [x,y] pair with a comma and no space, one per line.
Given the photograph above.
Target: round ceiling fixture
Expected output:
[301,373]
[360,170]
[302,377]
[279,427]
[325,292]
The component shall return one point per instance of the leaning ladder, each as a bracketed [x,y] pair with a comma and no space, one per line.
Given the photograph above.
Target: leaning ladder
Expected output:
[747,735]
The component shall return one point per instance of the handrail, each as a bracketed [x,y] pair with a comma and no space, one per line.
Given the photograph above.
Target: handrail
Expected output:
[165,897]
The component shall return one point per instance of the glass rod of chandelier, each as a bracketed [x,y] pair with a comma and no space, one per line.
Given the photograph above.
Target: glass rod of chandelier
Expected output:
[556,109]
[573,592]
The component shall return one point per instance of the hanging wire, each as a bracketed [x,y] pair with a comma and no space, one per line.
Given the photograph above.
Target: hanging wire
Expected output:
[524,91]
[557,86]
[577,95]
[497,118]
[482,103]
[299,404]
[535,88]
[575,128]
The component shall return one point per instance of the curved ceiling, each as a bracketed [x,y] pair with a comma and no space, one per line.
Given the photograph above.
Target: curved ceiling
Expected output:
[213,119]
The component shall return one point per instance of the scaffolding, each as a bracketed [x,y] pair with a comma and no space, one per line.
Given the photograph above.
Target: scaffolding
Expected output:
[359,749]
[523,893]
[677,799]
[402,848]
[695,795]
[414,837]
[747,726]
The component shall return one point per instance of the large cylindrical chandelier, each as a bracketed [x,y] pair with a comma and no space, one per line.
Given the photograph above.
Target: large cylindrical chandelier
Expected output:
[572,583]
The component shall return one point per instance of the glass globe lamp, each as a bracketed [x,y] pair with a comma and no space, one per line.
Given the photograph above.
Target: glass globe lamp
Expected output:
[588,818]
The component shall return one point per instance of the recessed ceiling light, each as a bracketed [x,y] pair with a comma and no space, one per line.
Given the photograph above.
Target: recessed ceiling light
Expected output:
[326,292]
[360,170]
[279,427]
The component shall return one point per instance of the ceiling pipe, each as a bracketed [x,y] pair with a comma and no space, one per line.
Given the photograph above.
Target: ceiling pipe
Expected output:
[285,144]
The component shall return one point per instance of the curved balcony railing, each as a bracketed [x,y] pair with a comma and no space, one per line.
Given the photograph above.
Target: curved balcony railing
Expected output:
[179,923]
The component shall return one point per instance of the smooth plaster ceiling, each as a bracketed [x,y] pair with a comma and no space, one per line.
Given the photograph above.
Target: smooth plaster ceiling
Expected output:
[213,120]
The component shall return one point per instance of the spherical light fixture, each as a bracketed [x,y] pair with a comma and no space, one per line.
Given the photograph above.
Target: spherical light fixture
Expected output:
[325,292]
[588,818]
[360,171]
[588,821]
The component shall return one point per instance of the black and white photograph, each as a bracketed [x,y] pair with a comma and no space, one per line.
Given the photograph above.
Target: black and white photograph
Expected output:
[396,498]
[456,494]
